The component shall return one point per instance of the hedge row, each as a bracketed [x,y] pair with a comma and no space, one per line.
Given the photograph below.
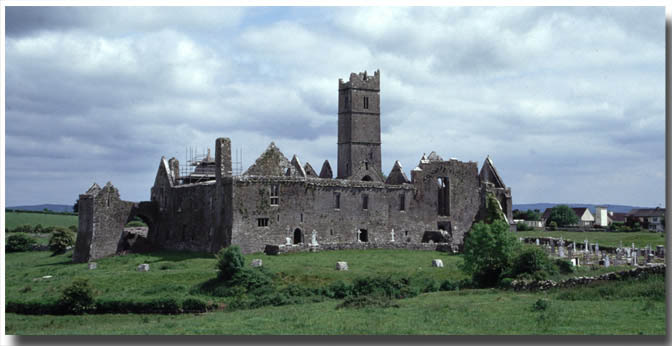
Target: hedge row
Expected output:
[114,306]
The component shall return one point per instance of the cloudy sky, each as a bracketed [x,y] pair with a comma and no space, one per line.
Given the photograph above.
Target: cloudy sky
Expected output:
[569,102]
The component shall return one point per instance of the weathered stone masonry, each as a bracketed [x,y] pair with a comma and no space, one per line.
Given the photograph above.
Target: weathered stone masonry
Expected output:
[278,199]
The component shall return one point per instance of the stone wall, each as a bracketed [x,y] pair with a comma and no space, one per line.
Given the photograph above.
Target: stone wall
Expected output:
[541,285]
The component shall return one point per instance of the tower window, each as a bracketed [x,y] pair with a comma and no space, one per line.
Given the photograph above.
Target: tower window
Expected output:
[365,202]
[262,222]
[443,197]
[402,202]
[366,102]
[274,194]
[337,200]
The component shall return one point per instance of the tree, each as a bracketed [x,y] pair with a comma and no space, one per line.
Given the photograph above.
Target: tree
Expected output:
[75,207]
[229,261]
[61,239]
[488,252]
[563,215]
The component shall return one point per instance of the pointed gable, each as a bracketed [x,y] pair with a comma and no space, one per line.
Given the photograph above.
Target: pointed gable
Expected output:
[271,162]
[489,173]
[295,169]
[397,176]
[433,156]
[326,172]
[164,175]
[93,190]
[310,172]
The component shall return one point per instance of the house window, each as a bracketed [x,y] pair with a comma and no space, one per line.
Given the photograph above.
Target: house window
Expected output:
[402,202]
[274,194]
[337,200]
[366,102]
[365,202]
[443,197]
[262,222]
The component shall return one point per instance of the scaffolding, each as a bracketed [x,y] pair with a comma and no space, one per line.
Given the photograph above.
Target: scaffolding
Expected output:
[200,167]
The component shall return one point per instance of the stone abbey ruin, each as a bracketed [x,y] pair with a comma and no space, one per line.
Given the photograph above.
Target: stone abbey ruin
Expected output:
[279,201]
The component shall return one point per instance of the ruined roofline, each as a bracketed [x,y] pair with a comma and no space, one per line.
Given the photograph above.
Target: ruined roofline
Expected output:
[361,81]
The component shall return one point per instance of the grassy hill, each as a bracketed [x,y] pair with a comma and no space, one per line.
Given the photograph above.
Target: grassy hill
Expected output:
[625,307]
[14,219]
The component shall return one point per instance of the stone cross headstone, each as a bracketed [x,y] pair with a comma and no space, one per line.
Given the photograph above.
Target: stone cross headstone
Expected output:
[313,241]
[257,262]
[93,265]
[634,258]
[288,241]
[628,251]
[561,251]
[392,235]
[537,241]
[437,263]
[359,236]
[143,267]
[585,245]
[341,265]
[574,246]
[562,242]
[606,261]
[597,247]
[633,246]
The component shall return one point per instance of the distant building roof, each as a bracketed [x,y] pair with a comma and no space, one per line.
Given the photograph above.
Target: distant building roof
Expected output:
[644,212]
[617,217]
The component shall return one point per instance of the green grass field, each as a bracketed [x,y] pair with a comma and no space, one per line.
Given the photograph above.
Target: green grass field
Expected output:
[469,311]
[640,239]
[13,219]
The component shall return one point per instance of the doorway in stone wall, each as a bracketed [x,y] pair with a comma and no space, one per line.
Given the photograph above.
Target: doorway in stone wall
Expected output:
[298,236]
[363,235]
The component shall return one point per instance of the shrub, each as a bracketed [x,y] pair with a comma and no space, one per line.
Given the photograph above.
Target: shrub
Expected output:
[60,240]
[77,298]
[389,287]
[505,283]
[533,261]
[23,229]
[493,210]
[448,285]
[340,289]
[553,225]
[541,305]
[564,266]
[73,228]
[430,285]
[523,227]
[229,261]
[19,243]
[488,252]
[38,228]
[367,301]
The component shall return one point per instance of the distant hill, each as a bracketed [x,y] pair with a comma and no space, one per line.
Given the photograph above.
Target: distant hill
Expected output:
[53,207]
[616,208]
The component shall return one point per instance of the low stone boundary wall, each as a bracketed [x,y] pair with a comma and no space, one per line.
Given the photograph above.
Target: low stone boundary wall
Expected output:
[280,249]
[542,285]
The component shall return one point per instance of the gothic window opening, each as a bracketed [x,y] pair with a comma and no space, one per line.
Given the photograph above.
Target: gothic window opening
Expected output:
[301,217]
[331,232]
[402,202]
[262,222]
[274,194]
[366,102]
[337,200]
[365,202]
[367,178]
[443,197]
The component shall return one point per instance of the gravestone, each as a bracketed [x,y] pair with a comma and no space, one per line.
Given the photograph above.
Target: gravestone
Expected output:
[660,251]
[634,258]
[93,265]
[313,241]
[392,235]
[341,265]
[537,241]
[257,262]
[143,267]
[586,248]
[561,251]
[597,247]
[437,263]
[606,261]
[359,236]
[288,241]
